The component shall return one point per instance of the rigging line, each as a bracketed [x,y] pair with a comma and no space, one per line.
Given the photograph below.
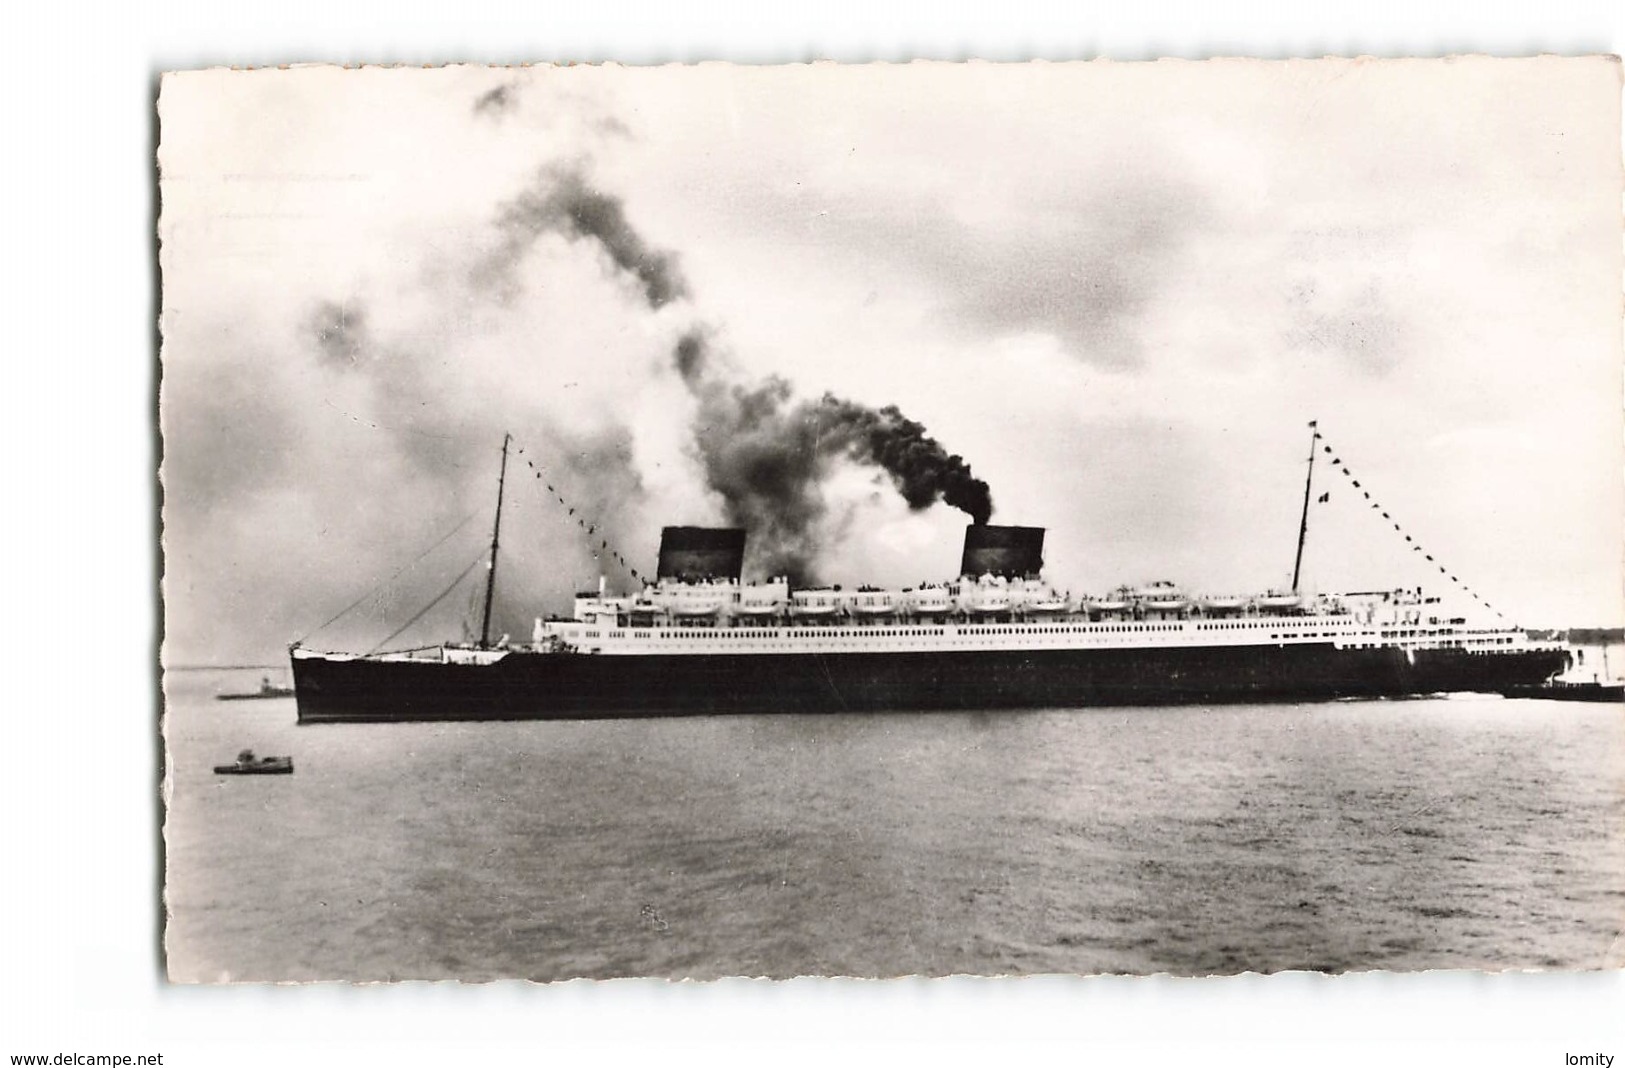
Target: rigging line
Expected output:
[604,548]
[398,573]
[430,606]
[1415,546]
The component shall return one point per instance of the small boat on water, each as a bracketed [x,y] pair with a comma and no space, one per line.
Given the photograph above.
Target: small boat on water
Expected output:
[249,764]
[1570,691]
[267,689]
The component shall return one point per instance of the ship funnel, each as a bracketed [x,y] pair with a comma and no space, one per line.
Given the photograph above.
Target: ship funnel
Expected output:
[693,553]
[1014,552]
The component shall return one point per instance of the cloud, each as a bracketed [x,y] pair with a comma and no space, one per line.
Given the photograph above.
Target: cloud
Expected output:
[562,201]
[1362,327]
[1083,260]
[497,101]
[375,413]
[766,456]
[354,313]
[1084,267]
[339,332]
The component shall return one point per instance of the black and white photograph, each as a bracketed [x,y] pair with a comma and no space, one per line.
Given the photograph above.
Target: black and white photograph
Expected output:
[893,519]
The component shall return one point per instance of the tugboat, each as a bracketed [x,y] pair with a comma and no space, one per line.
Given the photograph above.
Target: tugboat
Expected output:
[1558,690]
[249,764]
[1602,686]
[266,690]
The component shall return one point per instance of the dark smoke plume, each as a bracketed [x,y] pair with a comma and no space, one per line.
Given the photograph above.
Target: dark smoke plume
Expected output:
[562,202]
[691,357]
[923,471]
[768,457]
[765,454]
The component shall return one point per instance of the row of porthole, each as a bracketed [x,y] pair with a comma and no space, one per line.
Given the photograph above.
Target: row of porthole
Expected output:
[979,632]
[975,632]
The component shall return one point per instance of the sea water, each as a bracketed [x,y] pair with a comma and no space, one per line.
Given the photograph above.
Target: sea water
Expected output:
[1435,833]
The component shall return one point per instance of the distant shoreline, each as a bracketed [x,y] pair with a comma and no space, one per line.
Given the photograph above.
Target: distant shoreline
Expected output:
[1583,635]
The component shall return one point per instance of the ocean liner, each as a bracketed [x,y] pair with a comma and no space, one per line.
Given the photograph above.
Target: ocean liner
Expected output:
[700,638]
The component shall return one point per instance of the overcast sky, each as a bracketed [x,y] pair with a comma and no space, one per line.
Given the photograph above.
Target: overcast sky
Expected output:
[1118,291]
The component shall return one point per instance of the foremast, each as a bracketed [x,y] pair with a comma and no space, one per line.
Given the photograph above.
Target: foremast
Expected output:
[1303,523]
[496,534]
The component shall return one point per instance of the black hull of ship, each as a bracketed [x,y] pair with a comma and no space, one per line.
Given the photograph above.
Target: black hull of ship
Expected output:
[526,685]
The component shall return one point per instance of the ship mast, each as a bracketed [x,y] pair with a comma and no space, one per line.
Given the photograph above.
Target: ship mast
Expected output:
[1303,523]
[496,529]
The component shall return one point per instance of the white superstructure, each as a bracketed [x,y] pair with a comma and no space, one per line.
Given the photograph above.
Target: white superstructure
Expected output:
[673,617]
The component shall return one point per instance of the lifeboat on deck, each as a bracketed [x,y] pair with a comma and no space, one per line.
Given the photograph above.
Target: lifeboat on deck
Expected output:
[874,611]
[695,611]
[758,609]
[986,606]
[930,602]
[1162,597]
[804,606]
[873,602]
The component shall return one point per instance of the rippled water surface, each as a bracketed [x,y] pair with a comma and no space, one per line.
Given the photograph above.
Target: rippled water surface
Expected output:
[1467,833]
